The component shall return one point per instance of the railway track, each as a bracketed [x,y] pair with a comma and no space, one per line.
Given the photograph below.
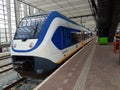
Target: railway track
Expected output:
[14,83]
[6,67]
[4,57]
[23,84]
[18,82]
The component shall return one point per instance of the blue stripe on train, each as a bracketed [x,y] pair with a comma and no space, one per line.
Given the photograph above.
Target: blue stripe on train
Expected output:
[50,18]
[63,38]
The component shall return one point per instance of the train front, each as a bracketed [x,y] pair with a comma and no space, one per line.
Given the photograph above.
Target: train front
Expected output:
[25,43]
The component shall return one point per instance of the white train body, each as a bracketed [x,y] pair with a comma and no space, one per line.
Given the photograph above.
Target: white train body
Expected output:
[54,43]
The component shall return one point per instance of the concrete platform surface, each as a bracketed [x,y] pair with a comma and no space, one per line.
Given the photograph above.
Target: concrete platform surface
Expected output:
[93,68]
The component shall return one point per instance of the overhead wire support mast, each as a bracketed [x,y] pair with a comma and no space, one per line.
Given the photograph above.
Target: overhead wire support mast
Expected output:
[4,21]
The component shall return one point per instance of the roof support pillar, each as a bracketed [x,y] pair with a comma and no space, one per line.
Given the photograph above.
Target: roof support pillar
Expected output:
[17,11]
[31,10]
[25,10]
[9,19]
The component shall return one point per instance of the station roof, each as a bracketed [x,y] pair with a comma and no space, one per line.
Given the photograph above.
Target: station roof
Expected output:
[73,9]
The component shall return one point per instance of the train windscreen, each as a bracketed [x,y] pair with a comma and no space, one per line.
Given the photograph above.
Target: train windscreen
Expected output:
[30,27]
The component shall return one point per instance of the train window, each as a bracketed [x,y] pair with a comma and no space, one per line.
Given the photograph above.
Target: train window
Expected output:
[79,37]
[83,36]
[30,27]
[74,38]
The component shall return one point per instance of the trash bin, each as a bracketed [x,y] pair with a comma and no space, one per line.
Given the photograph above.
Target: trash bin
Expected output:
[103,40]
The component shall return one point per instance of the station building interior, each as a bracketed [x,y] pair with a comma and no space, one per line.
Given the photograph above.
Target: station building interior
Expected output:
[102,60]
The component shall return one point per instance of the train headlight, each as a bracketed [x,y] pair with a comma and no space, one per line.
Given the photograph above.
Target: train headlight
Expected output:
[15,45]
[31,45]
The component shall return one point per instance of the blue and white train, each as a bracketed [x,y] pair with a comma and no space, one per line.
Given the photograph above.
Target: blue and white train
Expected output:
[43,42]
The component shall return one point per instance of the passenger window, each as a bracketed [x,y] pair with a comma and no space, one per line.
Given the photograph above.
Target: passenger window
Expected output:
[79,37]
[74,38]
[83,36]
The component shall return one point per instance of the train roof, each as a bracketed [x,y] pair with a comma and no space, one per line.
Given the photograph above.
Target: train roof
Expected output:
[57,14]
[53,14]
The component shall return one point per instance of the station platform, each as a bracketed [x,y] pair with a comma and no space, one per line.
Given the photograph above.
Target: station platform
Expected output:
[94,67]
